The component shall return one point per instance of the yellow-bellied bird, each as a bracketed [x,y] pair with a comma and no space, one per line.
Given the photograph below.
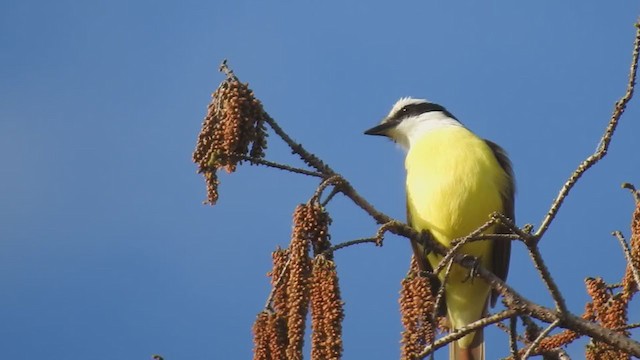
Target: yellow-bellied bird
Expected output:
[455,180]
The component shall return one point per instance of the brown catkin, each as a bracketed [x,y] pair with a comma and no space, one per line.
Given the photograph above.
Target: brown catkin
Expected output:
[234,122]
[278,340]
[611,311]
[416,309]
[564,338]
[316,228]
[629,286]
[298,284]
[279,279]
[326,311]
[261,337]
[597,289]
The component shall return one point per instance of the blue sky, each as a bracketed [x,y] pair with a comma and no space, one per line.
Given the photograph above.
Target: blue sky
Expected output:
[106,251]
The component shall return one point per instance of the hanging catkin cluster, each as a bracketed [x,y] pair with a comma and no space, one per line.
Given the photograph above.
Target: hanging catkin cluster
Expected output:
[556,341]
[416,308]
[610,310]
[281,330]
[233,128]
[326,311]
[270,328]
[629,286]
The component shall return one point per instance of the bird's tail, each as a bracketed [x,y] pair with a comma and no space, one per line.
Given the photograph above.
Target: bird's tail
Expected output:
[475,351]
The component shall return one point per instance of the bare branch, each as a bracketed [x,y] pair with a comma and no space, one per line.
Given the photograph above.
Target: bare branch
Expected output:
[539,264]
[331,180]
[459,333]
[440,294]
[458,243]
[345,244]
[627,255]
[281,166]
[632,189]
[603,146]
[513,337]
[538,339]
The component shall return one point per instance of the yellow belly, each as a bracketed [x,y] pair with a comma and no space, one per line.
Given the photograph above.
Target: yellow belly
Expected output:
[453,185]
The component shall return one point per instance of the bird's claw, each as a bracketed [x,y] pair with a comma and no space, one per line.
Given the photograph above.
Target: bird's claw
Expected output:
[473,262]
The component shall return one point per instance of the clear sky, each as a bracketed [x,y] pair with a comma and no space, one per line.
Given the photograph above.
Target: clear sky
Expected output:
[106,251]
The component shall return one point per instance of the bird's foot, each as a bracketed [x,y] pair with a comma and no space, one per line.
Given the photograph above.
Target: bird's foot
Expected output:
[473,263]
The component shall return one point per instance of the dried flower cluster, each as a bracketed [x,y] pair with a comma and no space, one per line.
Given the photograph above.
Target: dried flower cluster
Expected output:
[269,337]
[314,226]
[261,337]
[416,308]
[611,311]
[234,123]
[629,286]
[270,328]
[298,283]
[279,279]
[279,331]
[556,341]
[326,311]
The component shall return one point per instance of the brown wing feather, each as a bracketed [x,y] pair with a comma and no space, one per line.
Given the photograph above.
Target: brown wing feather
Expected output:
[502,249]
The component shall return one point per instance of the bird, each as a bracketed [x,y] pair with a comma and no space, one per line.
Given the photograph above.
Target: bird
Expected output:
[455,180]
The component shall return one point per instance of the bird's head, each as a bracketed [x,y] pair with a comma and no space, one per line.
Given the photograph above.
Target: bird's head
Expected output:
[411,118]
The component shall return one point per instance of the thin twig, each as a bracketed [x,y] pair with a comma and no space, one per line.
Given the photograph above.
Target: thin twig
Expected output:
[226,70]
[334,180]
[538,340]
[269,306]
[524,233]
[513,337]
[515,300]
[629,327]
[329,197]
[627,255]
[459,333]
[309,158]
[440,294]
[352,242]
[632,189]
[282,166]
[551,285]
[603,146]
[458,243]
[376,239]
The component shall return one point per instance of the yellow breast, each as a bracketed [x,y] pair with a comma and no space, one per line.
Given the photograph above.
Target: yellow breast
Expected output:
[453,183]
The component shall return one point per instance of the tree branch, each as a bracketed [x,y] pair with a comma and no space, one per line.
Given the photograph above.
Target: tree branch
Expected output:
[603,146]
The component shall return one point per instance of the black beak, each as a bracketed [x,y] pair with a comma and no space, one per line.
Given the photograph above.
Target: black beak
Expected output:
[381,129]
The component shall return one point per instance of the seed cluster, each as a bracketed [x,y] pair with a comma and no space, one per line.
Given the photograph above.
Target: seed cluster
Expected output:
[314,226]
[233,128]
[611,311]
[562,339]
[269,337]
[629,286]
[416,309]
[298,283]
[279,279]
[270,328]
[326,311]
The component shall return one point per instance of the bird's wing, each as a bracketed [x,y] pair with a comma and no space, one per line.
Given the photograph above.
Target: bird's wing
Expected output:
[502,248]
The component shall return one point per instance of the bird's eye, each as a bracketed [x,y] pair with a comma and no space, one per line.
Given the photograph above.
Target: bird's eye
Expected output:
[404,110]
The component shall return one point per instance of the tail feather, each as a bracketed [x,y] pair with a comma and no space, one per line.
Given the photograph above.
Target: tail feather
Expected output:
[474,352]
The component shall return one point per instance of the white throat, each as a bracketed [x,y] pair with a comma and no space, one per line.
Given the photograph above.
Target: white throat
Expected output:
[410,130]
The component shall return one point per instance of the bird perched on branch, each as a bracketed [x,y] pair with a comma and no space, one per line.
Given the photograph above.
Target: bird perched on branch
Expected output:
[455,181]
